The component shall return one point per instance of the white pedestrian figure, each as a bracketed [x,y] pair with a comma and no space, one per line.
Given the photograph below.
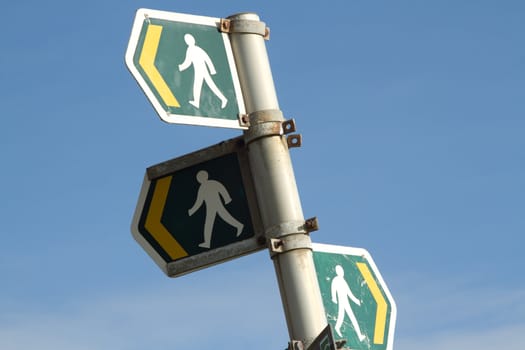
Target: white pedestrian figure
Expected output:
[212,193]
[340,294]
[203,70]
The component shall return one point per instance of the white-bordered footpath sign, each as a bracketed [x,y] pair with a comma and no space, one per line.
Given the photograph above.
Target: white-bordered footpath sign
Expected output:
[185,66]
[357,301]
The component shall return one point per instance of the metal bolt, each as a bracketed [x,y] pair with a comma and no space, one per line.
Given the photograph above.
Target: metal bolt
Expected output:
[311,224]
[277,244]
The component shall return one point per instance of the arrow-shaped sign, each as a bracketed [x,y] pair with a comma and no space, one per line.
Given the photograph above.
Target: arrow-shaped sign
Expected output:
[357,301]
[185,66]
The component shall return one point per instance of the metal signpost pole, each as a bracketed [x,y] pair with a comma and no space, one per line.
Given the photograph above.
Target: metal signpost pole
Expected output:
[274,180]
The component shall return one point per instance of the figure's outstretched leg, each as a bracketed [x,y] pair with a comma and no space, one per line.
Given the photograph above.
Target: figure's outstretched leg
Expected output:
[355,324]
[208,229]
[340,318]
[226,216]
[197,87]
[216,91]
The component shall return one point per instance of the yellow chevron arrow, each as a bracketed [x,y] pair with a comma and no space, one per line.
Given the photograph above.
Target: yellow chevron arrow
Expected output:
[153,220]
[382,307]
[147,62]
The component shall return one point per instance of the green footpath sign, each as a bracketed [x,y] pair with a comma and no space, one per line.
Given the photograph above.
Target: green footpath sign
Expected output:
[185,66]
[357,301]
[199,209]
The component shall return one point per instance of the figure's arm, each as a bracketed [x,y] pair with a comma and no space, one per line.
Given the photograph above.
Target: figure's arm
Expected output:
[209,63]
[197,205]
[187,62]
[353,298]
[334,295]
[224,194]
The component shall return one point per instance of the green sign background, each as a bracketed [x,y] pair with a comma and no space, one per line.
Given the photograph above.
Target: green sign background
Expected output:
[325,264]
[189,230]
[172,51]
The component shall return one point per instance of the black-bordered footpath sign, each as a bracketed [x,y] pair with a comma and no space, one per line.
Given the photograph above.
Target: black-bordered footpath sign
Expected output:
[324,341]
[356,299]
[185,66]
[199,209]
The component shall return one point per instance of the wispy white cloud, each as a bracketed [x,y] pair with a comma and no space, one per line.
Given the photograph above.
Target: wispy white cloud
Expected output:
[237,309]
[508,337]
[191,313]
[471,313]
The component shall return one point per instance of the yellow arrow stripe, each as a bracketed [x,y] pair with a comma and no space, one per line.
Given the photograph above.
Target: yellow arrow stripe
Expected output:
[153,221]
[147,62]
[380,326]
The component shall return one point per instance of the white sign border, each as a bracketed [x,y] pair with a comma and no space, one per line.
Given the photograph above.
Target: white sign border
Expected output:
[180,118]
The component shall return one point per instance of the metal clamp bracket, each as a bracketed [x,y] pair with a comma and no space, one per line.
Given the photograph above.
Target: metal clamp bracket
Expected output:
[295,345]
[295,140]
[339,344]
[262,130]
[286,228]
[292,140]
[245,26]
[289,126]
[266,123]
[291,235]
[292,227]
[311,224]
[288,243]
[263,116]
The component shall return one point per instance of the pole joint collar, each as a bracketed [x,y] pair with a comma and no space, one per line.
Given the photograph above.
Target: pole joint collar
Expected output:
[245,26]
[286,228]
[291,227]
[262,124]
[290,236]
[288,243]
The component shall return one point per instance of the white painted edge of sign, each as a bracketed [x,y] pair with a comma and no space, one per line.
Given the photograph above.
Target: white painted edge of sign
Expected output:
[198,261]
[135,224]
[336,249]
[163,114]
[217,255]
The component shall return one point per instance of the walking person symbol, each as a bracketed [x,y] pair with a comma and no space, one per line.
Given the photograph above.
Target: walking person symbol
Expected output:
[212,193]
[340,294]
[203,69]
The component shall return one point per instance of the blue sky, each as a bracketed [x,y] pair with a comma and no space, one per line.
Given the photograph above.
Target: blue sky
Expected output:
[412,115]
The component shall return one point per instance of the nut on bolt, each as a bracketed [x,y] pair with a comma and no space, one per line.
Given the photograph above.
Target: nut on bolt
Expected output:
[277,243]
[311,224]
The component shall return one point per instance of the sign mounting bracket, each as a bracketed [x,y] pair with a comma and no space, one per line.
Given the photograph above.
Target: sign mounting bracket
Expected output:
[245,26]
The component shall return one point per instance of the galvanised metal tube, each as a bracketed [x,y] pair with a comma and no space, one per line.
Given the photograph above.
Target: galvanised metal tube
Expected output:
[276,190]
